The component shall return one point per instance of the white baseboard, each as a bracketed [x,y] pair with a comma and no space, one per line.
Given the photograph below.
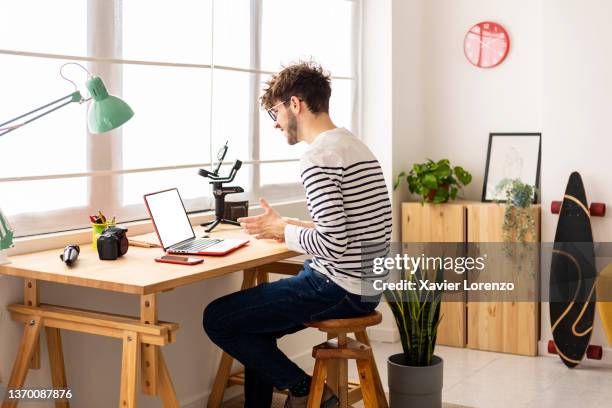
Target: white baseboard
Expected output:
[383,334]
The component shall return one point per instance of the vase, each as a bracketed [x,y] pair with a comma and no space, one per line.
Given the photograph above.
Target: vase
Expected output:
[412,386]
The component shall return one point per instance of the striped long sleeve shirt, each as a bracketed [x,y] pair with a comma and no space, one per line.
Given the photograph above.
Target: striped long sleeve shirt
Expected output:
[349,204]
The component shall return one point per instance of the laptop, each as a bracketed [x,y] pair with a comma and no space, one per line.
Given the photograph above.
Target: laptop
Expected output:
[174,230]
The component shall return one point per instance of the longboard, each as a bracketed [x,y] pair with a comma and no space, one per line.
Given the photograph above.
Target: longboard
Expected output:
[572,276]
[604,306]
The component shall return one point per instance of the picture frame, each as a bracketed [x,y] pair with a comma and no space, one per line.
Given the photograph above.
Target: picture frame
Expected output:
[512,156]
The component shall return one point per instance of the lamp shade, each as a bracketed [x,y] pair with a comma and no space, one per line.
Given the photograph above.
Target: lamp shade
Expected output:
[106,112]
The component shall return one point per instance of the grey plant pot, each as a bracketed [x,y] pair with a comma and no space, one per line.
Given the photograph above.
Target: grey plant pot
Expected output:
[412,387]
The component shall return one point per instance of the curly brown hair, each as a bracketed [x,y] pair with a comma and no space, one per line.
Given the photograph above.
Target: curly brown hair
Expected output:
[306,79]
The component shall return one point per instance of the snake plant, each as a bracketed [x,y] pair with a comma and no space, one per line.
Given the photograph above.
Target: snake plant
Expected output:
[417,314]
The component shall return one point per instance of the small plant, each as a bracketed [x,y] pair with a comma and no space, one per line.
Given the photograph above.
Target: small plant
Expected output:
[436,182]
[417,314]
[518,221]
[6,233]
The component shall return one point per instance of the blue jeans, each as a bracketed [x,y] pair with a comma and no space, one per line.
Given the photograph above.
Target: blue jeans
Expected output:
[246,325]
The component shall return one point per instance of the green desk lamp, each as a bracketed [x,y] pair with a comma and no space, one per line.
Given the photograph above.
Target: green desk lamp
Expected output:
[106,112]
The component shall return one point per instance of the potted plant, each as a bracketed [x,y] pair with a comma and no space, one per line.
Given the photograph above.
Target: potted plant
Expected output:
[518,221]
[415,375]
[6,237]
[436,182]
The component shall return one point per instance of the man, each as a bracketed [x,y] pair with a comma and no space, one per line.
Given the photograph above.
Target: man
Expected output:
[348,202]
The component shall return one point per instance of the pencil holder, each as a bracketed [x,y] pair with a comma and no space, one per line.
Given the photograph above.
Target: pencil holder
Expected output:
[96,231]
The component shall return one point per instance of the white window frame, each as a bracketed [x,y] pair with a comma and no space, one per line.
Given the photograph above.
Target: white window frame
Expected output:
[104,171]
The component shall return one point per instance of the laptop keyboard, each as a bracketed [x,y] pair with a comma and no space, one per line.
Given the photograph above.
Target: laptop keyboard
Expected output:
[197,245]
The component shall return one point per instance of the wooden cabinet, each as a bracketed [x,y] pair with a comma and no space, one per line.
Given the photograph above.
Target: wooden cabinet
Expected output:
[505,326]
[437,223]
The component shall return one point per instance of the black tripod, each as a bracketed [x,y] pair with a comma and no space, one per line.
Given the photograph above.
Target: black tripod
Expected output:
[219,191]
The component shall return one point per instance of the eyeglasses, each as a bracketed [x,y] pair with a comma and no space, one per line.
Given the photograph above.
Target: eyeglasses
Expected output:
[273,112]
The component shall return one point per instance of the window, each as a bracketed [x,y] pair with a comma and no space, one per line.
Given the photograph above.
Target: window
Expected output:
[192,70]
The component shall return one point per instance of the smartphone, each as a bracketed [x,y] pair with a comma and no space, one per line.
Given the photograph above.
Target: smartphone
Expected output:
[181,260]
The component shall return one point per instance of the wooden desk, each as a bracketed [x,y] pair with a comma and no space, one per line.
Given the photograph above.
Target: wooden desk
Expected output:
[142,336]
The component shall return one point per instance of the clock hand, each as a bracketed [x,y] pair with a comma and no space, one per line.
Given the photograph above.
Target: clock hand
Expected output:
[493,40]
[489,47]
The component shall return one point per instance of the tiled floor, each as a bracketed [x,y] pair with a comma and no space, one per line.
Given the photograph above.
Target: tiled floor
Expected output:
[481,379]
[495,380]
[279,402]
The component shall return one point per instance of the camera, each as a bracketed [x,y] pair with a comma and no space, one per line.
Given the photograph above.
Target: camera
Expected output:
[112,243]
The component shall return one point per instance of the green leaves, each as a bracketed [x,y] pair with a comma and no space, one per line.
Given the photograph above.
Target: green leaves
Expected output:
[464,177]
[398,179]
[417,314]
[518,194]
[518,221]
[435,182]
[430,181]
[6,233]
[442,169]
[441,196]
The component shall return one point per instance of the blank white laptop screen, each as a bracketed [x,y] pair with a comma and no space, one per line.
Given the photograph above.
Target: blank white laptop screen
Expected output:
[170,217]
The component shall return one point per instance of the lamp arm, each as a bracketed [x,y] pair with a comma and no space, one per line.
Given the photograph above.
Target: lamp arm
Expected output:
[73,97]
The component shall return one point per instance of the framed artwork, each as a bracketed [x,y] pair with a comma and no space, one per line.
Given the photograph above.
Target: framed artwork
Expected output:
[511,156]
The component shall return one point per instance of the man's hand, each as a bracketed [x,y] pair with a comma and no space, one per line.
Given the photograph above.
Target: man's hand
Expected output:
[269,225]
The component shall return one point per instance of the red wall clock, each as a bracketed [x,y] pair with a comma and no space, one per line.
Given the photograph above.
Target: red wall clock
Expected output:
[486,44]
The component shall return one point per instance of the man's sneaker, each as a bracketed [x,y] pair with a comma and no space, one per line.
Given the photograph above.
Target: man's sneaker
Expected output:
[329,400]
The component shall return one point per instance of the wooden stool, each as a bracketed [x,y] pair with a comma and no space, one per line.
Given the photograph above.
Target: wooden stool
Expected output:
[333,355]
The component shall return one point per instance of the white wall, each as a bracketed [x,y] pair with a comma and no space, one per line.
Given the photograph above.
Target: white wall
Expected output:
[377,110]
[577,95]
[463,104]
[408,74]
[392,109]
[376,105]
[556,79]
[392,96]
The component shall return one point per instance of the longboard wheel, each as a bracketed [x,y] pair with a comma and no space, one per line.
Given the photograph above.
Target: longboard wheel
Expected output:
[594,352]
[552,349]
[597,209]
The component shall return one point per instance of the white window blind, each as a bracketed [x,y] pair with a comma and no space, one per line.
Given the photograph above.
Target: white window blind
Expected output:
[192,71]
